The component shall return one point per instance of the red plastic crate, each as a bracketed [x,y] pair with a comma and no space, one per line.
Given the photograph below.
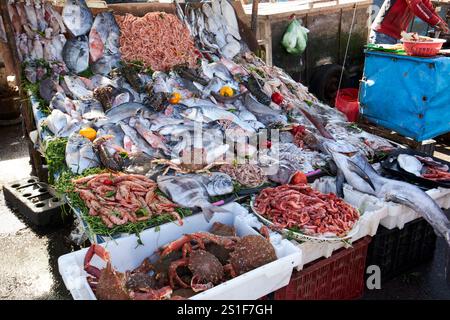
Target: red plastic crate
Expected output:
[339,277]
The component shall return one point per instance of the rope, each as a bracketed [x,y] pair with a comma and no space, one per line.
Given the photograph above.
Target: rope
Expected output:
[346,49]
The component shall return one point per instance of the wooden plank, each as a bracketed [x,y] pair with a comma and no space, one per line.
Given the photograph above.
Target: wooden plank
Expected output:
[285,9]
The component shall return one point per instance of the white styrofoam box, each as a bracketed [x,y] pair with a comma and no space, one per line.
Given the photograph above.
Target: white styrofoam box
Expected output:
[127,255]
[396,215]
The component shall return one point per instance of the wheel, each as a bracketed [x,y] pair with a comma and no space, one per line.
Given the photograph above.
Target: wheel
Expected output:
[324,82]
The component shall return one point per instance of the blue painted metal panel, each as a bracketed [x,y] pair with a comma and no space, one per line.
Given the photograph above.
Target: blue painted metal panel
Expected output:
[409,95]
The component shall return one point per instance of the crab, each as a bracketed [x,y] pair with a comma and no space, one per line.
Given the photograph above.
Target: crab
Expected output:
[251,252]
[206,269]
[110,284]
[111,155]
[191,161]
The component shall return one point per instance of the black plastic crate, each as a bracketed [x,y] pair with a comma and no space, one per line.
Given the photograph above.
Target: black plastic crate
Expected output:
[36,201]
[398,250]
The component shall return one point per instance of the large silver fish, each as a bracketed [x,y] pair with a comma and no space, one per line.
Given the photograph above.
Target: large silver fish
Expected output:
[76,54]
[139,142]
[193,191]
[208,114]
[104,36]
[263,113]
[122,112]
[77,17]
[105,64]
[61,124]
[80,154]
[77,88]
[357,171]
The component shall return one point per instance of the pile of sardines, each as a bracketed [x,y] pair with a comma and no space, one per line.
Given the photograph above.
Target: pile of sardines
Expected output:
[192,134]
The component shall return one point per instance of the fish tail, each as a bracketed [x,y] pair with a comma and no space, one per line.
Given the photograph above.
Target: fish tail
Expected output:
[209,211]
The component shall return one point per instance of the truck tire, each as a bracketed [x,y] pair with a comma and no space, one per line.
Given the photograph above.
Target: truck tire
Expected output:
[324,82]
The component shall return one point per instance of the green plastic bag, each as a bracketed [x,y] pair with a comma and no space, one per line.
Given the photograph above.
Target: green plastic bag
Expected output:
[295,38]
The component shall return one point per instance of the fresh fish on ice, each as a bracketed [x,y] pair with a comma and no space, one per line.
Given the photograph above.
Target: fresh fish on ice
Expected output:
[80,154]
[76,54]
[90,109]
[77,17]
[104,36]
[61,102]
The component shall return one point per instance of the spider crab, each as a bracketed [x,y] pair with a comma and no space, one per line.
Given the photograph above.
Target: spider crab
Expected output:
[109,284]
[191,161]
[208,268]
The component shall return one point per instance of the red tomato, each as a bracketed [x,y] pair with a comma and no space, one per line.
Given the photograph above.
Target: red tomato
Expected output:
[299,178]
[277,98]
[108,182]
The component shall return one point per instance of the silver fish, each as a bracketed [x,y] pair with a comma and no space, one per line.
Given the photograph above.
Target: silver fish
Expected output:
[80,154]
[105,64]
[47,89]
[76,54]
[193,191]
[54,16]
[263,113]
[90,109]
[77,17]
[39,10]
[61,124]
[360,175]
[139,142]
[122,112]
[208,114]
[77,88]
[31,14]
[155,140]
[61,102]
[410,164]
[216,69]
[104,36]
[115,131]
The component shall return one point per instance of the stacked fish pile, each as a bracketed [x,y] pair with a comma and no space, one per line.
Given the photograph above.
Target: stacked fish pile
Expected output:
[177,124]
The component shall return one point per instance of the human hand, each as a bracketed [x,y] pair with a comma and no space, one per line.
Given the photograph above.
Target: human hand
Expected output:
[443,27]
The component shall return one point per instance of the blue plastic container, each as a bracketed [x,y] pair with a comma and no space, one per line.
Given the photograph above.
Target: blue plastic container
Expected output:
[409,95]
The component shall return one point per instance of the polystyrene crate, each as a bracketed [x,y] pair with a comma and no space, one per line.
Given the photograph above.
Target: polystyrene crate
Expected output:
[398,250]
[395,215]
[126,254]
[340,277]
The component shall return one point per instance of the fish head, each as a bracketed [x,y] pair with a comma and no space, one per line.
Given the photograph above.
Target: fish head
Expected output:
[219,184]
[192,113]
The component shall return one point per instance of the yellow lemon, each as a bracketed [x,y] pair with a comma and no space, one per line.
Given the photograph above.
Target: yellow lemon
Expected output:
[88,133]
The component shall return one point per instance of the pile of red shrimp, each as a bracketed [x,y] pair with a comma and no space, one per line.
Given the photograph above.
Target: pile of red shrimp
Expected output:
[309,211]
[158,39]
[122,198]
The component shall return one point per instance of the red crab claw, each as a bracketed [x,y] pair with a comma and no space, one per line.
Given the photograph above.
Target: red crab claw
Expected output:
[159,294]
[265,232]
[173,276]
[174,245]
[229,268]
[226,242]
[197,287]
[98,250]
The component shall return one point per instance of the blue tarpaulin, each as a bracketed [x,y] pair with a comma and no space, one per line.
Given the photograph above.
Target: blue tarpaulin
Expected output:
[409,95]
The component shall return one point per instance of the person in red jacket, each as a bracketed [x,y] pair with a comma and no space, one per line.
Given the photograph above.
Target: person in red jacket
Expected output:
[396,15]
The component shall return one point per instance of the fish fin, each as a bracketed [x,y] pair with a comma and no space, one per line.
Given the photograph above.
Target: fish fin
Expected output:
[353,167]
[340,179]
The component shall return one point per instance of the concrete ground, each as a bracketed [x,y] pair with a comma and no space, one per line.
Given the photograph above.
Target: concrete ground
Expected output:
[28,258]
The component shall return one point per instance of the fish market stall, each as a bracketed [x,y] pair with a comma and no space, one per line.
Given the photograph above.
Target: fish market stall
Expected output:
[166,133]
